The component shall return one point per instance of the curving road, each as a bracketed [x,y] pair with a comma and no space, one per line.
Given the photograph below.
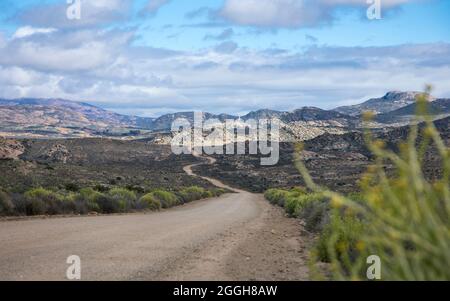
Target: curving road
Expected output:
[204,240]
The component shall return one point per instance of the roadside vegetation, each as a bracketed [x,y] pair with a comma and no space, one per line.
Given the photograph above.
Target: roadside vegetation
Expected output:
[313,208]
[98,200]
[402,218]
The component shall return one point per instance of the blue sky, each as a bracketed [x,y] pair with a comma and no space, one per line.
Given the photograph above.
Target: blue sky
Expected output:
[412,23]
[149,57]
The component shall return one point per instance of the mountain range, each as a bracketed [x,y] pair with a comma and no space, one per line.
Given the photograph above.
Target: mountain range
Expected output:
[28,117]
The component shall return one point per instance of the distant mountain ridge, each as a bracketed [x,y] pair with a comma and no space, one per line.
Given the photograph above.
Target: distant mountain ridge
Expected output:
[303,114]
[391,101]
[64,113]
[406,114]
[64,118]
[164,123]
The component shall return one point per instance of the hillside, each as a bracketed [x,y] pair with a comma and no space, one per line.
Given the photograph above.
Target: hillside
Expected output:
[57,117]
[164,123]
[89,162]
[391,101]
[336,161]
[439,108]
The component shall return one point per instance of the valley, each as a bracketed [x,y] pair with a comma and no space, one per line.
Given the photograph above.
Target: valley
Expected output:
[335,150]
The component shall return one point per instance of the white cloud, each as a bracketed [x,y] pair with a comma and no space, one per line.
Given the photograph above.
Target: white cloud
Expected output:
[154,5]
[285,13]
[104,68]
[64,52]
[16,76]
[291,13]
[93,12]
[26,31]
[2,40]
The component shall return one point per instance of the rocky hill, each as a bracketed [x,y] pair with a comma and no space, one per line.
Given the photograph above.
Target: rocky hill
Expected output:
[263,114]
[10,149]
[390,102]
[336,161]
[57,117]
[164,123]
[440,108]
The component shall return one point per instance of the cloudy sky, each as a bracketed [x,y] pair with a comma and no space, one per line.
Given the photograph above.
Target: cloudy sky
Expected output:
[149,57]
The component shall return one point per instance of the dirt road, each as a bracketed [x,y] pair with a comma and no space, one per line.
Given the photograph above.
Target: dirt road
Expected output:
[237,236]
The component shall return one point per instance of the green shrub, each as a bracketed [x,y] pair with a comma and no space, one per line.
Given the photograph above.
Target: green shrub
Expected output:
[84,201]
[88,193]
[41,201]
[92,206]
[19,203]
[277,196]
[6,205]
[311,207]
[71,201]
[108,204]
[207,194]
[316,215]
[90,196]
[68,204]
[309,200]
[36,207]
[341,238]
[166,198]
[124,197]
[218,191]
[117,200]
[192,193]
[299,190]
[149,202]
[87,200]
[294,200]
[292,204]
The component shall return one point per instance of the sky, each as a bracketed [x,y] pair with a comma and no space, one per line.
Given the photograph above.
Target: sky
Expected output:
[151,57]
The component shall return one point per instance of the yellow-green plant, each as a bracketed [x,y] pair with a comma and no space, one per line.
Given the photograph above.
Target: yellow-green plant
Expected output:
[406,217]
[148,201]
[166,198]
